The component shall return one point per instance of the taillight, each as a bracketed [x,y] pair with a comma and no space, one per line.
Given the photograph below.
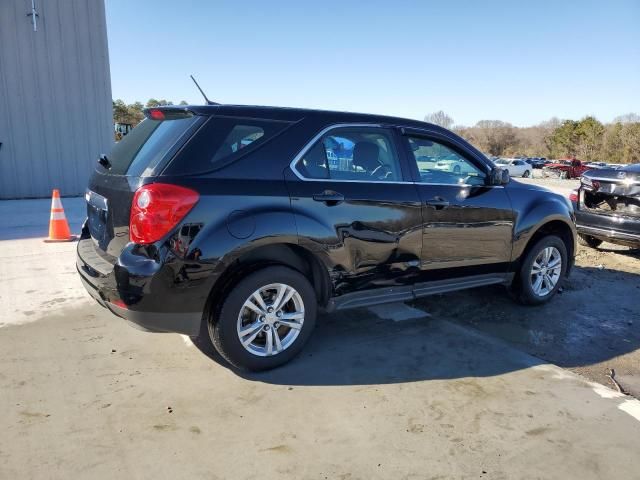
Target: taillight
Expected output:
[156,209]
[573,196]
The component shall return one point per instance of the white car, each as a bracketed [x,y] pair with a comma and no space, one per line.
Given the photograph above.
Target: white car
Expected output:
[515,167]
[454,166]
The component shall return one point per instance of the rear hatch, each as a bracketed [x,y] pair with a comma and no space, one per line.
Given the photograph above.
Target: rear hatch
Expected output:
[612,192]
[140,155]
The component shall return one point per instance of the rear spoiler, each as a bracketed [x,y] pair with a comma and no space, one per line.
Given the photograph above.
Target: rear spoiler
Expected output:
[169,113]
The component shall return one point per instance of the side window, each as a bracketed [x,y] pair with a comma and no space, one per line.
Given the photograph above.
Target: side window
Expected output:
[221,140]
[437,163]
[360,154]
[239,137]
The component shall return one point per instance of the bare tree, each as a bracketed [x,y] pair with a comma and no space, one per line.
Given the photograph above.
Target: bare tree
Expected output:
[627,118]
[439,118]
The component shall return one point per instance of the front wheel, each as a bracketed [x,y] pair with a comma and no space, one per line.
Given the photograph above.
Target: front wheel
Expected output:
[265,320]
[589,241]
[541,271]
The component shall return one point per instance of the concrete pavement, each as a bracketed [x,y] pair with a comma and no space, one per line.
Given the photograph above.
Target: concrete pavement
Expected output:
[86,396]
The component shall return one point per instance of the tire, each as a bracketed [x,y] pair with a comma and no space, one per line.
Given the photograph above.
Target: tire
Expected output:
[456,169]
[523,285]
[589,241]
[526,174]
[224,328]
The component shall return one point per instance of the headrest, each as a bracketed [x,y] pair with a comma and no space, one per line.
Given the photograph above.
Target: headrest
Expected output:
[365,155]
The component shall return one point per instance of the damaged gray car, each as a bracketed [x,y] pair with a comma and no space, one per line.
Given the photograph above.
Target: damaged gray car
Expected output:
[607,206]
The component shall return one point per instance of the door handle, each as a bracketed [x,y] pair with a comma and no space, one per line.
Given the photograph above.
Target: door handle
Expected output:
[329,197]
[438,203]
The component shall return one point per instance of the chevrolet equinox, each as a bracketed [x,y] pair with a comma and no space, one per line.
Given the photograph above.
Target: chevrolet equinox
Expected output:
[247,220]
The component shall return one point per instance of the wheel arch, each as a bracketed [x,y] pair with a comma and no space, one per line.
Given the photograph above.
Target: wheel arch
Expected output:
[558,226]
[284,254]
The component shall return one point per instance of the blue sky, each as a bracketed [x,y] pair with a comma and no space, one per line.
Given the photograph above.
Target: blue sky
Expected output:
[522,62]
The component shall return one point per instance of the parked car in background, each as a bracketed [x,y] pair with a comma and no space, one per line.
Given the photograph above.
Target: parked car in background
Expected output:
[515,167]
[453,165]
[597,165]
[538,163]
[187,230]
[607,206]
[564,168]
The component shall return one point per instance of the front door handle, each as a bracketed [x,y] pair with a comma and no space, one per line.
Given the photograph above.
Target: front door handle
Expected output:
[329,197]
[438,203]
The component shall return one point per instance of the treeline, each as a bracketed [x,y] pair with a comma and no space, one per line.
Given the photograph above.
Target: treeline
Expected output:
[587,139]
[132,113]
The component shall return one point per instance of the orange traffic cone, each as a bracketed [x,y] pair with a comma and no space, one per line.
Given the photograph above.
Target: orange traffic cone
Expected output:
[58,226]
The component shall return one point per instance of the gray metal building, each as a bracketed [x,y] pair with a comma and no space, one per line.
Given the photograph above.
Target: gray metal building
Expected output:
[55,95]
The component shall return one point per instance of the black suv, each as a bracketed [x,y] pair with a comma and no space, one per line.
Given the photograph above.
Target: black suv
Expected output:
[251,218]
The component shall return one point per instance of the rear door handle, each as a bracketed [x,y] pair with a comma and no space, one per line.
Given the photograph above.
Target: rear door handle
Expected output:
[329,197]
[438,203]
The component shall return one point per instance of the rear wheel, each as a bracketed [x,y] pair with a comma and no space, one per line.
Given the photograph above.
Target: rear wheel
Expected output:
[589,241]
[456,169]
[265,320]
[526,174]
[541,271]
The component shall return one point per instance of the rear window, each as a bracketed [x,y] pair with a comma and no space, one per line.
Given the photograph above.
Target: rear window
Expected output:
[221,141]
[146,145]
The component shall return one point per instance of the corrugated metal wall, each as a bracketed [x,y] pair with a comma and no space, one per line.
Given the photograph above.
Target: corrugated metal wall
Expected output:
[55,96]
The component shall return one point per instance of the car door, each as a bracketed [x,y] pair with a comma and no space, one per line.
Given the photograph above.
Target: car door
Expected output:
[467,223]
[356,206]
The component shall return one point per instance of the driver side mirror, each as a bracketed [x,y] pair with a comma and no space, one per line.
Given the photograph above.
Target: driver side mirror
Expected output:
[499,176]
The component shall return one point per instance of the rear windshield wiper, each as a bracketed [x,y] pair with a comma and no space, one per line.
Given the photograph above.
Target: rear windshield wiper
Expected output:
[104,161]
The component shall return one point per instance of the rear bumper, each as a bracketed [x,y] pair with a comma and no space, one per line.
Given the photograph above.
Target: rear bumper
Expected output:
[185,323]
[614,236]
[612,228]
[140,297]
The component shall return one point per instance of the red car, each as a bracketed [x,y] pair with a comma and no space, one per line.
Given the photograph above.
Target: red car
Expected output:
[565,168]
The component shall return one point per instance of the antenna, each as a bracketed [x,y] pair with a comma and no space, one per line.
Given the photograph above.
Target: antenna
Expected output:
[209,102]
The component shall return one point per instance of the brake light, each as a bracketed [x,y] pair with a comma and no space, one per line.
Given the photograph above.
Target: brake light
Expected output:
[573,196]
[156,209]
[156,114]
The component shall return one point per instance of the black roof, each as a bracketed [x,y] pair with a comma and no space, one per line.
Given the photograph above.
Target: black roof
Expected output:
[295,114]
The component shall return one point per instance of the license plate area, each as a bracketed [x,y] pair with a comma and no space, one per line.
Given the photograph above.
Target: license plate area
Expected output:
[98,217]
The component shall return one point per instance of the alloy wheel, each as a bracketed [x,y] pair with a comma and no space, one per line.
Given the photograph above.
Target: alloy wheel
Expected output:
[270,320]
[545,271]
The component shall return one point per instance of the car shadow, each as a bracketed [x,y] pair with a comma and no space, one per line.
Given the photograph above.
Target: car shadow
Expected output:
[629,252]
[357,347]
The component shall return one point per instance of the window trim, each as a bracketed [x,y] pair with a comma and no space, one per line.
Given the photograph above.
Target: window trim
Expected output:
[336,126]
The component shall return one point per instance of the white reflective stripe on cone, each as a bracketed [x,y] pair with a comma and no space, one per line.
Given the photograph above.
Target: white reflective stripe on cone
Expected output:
[56,203]
[58,216]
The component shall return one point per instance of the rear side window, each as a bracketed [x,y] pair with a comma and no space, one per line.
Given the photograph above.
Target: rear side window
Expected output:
[146,146]
[222,140]
[239,137]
